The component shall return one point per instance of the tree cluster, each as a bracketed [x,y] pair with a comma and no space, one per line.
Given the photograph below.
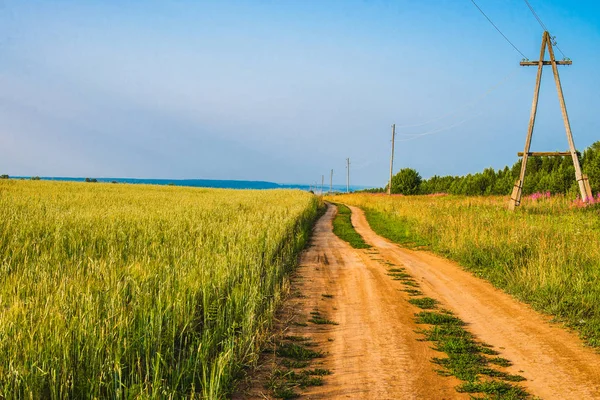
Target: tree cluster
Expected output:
[544,174]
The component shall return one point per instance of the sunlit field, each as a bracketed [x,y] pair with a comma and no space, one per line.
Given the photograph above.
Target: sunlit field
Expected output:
[123,291]
[547,253]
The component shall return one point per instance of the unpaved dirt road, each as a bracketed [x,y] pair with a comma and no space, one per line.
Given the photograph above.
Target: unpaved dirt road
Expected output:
[374,351]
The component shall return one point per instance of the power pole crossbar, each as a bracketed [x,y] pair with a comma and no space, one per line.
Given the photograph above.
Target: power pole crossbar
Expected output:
[545,154]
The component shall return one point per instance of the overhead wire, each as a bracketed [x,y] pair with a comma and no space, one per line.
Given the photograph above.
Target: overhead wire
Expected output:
[464,107]
[536,15]
[498,29]
[438,130]
[477,100]
[412,136]
[539,20]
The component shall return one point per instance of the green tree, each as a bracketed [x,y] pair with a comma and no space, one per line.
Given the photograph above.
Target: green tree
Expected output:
[591,166]
[407,181]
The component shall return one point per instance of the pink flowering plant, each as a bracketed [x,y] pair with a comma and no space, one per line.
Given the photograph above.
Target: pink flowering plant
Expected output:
[539,196]
[579,203]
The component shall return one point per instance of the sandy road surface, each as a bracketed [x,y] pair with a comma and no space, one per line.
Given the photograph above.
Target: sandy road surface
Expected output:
[373,352]
[555,362]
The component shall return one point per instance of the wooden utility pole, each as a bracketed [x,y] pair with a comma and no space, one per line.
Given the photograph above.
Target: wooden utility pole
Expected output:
[582,180]
[392,160]
[331,182]
[347,175]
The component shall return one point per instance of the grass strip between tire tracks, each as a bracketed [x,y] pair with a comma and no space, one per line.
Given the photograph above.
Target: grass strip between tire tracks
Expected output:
[342,227]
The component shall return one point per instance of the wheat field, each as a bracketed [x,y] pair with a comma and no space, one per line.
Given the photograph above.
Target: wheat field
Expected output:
[139,291]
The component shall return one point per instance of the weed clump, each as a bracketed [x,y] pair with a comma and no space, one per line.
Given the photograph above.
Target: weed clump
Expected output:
[426,303]
[297,352]
[466,358]
[436,318]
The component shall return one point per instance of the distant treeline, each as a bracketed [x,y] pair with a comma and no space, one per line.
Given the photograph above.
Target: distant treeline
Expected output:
[544,174]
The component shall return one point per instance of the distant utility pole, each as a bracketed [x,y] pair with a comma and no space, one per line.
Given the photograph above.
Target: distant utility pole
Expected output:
[347,175]
[322,182]
[331,181]
[392,160]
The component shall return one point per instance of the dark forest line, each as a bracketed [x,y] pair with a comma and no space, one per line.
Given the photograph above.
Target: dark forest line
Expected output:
[544,174]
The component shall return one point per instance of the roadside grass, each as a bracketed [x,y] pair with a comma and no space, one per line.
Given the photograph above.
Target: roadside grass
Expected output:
[400,232]
[546,253]
[342,227]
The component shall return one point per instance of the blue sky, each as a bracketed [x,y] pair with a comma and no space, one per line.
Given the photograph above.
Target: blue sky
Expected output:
[284,90]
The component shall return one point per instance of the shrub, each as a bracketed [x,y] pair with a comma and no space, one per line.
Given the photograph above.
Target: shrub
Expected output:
[407,181]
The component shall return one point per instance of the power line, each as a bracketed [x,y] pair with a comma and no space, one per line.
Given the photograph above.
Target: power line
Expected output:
[539,20]
[464,107]
[438,130]
[413,136]
[498,29]
[558,48]
[536,16]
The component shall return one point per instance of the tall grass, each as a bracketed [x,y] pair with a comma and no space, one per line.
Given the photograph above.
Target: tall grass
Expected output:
[122,291]
[547,253]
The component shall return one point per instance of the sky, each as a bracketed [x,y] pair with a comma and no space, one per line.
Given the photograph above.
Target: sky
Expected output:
[285,91]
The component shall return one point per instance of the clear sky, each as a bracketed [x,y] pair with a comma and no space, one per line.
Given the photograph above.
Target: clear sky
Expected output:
[285,90]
